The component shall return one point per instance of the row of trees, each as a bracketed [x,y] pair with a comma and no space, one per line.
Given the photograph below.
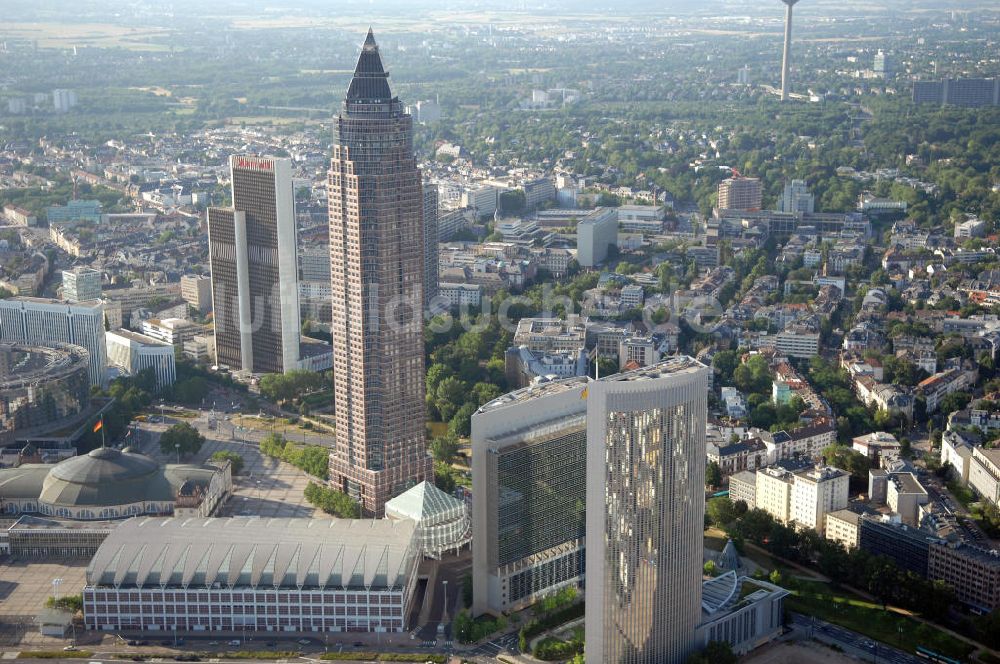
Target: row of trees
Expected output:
[332,501]
[292,386]
[877,575]
[469,630]
[313,459]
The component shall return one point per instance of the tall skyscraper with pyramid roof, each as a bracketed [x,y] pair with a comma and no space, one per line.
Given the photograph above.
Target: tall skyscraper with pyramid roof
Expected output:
[377,264]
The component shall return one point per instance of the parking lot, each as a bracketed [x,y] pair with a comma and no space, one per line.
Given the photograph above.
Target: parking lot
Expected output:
[24,587]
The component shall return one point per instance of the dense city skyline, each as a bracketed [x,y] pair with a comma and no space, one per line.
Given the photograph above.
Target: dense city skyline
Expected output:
[652,334]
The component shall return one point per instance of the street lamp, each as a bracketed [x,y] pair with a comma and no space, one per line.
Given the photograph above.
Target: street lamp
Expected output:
[177,446]
[444,610]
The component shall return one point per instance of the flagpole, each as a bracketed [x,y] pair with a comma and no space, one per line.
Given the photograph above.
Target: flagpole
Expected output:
[103,443]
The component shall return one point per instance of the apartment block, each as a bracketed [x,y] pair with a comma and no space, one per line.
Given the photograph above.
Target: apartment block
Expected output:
[984,473]
[740,193]
[973,572]
[816,492]
[843,526]
[196,290]
[81,284]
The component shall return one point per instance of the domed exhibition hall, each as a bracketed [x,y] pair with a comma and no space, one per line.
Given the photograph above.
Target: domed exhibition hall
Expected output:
[108,483]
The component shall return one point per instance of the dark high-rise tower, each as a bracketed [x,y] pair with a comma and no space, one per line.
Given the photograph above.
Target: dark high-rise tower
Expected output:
[377,271]
[431,277]
[252,249]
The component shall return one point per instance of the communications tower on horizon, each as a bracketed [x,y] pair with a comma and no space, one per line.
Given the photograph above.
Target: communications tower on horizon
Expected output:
[787,51]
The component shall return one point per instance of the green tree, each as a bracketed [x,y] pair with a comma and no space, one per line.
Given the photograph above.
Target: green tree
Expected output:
[450,396]
[444,477]
[954,401]
[190,390]
[845,458]
[483,393]
[443,448]
[720,511]
[332,501]
[988,628]
[713,475]
[715,652]
[725,362]
[73,603]
[461,422]
[182,438]
[235,460]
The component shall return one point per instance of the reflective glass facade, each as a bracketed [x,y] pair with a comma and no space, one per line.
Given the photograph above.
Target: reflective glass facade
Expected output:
[542,579]
[41,387]
[541,495]
[646,476]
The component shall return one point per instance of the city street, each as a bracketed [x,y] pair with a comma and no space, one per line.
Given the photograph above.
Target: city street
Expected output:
[852,643]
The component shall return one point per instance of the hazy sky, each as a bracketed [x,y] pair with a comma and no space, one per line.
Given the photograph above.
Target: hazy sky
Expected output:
[68,9]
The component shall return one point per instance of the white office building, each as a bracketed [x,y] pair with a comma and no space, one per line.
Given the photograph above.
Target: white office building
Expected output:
[797,342]
[173,331]
[81,284]
[460,295]
[37,320]
[484,200]
[132,352]
[796,198]
[645,219]
[594,235]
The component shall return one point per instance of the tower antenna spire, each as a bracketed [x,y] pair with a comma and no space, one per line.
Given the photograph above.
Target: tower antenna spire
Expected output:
[786,54]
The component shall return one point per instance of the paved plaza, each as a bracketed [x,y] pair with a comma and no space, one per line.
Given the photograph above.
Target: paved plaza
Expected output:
[266,487]
[24,587]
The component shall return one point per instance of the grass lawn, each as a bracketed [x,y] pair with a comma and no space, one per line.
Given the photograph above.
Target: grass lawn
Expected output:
[278,425]
[319,399]
[438,428]
[715,539]
[860,615]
